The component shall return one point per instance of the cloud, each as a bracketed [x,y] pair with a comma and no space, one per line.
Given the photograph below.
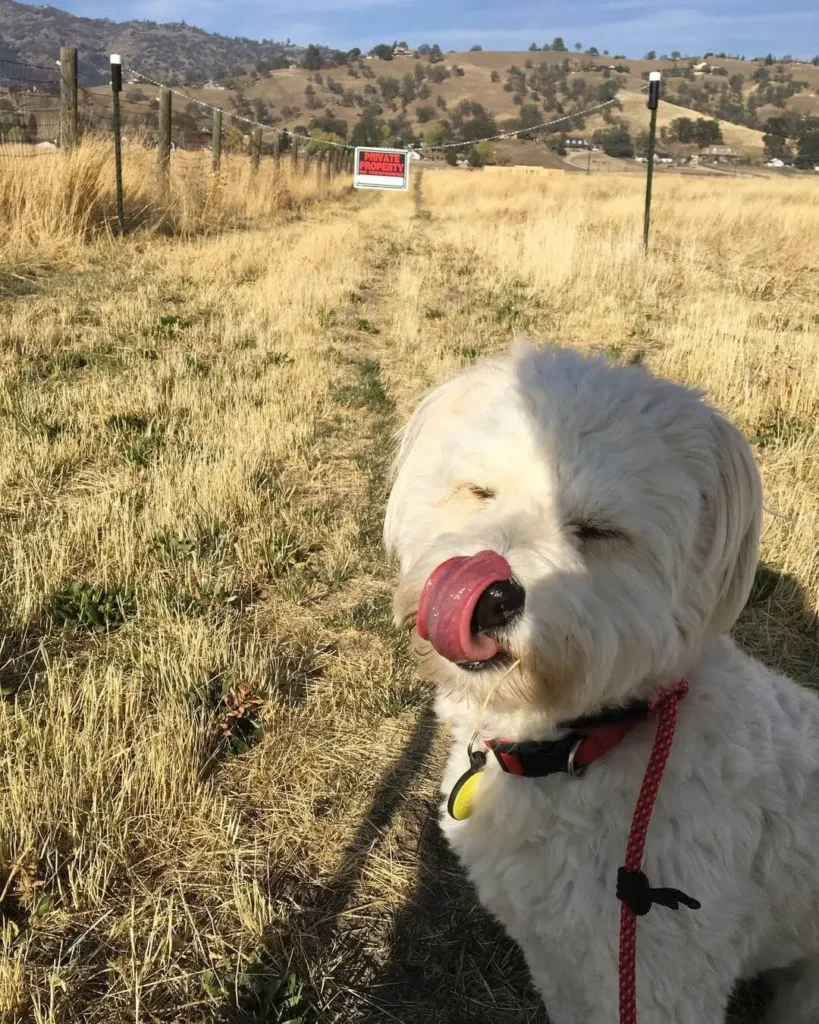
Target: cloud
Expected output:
[678,25]
[210,11]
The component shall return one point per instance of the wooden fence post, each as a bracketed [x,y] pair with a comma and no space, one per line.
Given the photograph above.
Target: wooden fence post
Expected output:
[164,148]
[217,141]
[68,97]
[294,153]
[255,149]
[277,146]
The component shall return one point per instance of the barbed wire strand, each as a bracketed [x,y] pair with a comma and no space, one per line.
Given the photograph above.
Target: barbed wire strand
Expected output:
[229,113]
[519,131]
[345,145]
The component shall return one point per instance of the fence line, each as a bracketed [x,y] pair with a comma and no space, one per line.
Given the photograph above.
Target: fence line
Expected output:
[29,107]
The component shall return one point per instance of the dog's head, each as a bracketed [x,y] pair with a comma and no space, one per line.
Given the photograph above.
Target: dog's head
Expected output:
[591,522]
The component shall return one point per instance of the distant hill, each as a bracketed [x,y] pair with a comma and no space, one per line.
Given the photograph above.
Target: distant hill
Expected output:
[411,94]
[402,98]
[34,34]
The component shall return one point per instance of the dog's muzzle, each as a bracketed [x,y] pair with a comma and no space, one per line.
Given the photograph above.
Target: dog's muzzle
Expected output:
[465,603]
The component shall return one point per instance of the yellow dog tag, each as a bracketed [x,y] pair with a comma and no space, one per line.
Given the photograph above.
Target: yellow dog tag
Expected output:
[461,802]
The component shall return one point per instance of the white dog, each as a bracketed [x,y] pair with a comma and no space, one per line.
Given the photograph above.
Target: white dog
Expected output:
[574,537]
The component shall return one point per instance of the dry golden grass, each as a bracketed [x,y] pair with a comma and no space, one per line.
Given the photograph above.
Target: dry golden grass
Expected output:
[193,440]
[51,206]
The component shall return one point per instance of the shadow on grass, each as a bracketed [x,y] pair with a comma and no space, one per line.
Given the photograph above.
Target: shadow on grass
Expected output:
[780,626]
[449,961]
[440,957]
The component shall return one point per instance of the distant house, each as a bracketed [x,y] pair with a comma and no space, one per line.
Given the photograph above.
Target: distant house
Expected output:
[701,68]
[210,84]
[719,153]
[775,162]
[573,142]
[401,51]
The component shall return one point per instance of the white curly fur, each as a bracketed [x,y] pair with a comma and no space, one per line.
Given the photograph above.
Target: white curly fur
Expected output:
[559,438]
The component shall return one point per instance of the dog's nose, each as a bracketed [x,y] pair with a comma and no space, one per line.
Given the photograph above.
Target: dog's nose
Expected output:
[497,606]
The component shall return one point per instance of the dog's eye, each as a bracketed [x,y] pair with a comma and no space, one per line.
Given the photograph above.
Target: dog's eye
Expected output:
[587,531]
[484,493]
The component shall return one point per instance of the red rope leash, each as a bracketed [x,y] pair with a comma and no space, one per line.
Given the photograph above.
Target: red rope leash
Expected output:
[632,885]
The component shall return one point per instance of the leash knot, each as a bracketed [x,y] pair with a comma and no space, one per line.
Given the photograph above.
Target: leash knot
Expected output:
[634,890]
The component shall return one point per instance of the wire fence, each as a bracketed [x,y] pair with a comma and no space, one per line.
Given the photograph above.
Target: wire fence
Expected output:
[29,109]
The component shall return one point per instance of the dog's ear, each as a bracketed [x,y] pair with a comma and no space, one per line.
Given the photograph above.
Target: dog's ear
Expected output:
[734,517]
[408,442]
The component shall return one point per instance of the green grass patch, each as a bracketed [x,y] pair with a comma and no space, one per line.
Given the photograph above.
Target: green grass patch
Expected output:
[83,606]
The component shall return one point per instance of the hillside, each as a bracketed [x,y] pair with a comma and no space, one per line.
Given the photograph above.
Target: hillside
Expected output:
[402,99]
[34,34]
[410,95]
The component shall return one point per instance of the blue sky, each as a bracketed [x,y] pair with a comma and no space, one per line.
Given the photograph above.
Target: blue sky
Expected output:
[621,26]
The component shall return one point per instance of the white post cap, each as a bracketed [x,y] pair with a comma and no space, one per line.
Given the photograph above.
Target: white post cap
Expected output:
[115,58]
[655,76]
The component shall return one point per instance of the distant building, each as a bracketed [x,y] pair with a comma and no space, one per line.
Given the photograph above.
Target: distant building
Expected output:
[719,153]
[401,51]
[573,142]
[213,85]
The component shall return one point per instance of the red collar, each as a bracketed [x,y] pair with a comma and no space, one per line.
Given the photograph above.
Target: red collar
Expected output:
[587,740]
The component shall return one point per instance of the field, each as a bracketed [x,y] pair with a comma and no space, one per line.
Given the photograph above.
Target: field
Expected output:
[217,769]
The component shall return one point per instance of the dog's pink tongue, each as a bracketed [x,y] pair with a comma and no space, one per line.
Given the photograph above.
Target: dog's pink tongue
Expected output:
[448,602]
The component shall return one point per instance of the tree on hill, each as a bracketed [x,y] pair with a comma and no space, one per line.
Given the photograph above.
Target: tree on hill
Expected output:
[593,51]
[707,133]
[472,121]
[559,46]
[321,141]
[702,132]
[425,114]
[383,51]
[330,125]
[390,89]
[775,147]
[434,135]
[651,55]
[312,58]
[480,154]
[808,155]
[435,54]
[578,47]
[615,141]
[529,116]
[534,48]
[477,48]
[366,132]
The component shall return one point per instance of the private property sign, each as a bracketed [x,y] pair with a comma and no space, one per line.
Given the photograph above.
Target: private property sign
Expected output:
[381,168]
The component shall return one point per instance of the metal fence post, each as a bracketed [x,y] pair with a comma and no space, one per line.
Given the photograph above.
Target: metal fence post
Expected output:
[653,103]
[116,89]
